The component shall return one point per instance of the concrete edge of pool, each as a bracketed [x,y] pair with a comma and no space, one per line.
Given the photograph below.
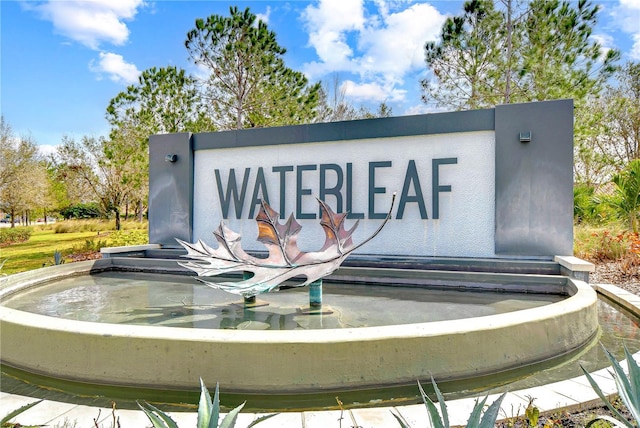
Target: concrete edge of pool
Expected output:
[568,395]
[292,361]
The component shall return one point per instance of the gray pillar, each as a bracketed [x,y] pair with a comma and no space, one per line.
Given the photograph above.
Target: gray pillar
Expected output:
[170,189]
[534,179]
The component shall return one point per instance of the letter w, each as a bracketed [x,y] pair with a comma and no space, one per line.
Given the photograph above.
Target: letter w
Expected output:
[232,192]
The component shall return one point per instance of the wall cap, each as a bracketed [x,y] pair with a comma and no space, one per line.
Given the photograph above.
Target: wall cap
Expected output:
[129,248]
[575,264]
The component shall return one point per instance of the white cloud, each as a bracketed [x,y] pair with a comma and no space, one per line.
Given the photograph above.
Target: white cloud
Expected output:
[627,17]
[371,92]
[116,67]
[380,41]
[264,17]
[329,24]
[397,47]
[47,149]
[422,109]
[635,50]
[606,42]
[90,22]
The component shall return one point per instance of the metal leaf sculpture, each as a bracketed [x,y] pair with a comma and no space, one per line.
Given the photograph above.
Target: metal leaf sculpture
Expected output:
[285,259]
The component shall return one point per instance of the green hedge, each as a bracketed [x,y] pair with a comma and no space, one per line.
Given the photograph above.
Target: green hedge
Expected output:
[14,235]
[81,211]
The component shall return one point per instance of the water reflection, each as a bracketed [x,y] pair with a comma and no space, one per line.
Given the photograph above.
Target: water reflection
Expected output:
[179,301]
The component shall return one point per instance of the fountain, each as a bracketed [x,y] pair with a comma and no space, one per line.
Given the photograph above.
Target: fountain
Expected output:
[489,242]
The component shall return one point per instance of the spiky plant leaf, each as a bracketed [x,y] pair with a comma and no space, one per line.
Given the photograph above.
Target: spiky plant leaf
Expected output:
[634,377]
[604,399]
[474,418]
[490,416]
[261,419]
[401,420]
[434,416]
[626,387]
[17,411]
[207,414]
[229,420]
[158,418]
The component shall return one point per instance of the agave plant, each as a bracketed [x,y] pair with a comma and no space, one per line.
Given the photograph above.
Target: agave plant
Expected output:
[58,259]
[477,419]
[285,259]
[208,413]
[4,422]
[628,390]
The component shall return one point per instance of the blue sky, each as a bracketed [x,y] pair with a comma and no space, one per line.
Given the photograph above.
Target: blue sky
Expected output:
[63,60]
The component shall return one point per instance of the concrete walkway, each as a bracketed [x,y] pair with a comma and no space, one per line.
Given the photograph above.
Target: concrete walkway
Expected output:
[568,395]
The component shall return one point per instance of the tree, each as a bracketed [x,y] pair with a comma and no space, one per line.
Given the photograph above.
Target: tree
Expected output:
[109,167]
[549,55]
[559,59]
[248,83]
[24,184]
[612,138]
[622,114]
[465,61]
[165,100]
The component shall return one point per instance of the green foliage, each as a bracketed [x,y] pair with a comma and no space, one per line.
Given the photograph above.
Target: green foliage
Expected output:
[81,211]
[477,419]
[135,237]
[584,205]
[208,413]
[165,100]
[14,235]
[248,84]
[114,169]
[627,198]
[532,413]
[526,51]
[465,60]
[89,246]
[71,226]
[4,422]
[24,181]
[628,390]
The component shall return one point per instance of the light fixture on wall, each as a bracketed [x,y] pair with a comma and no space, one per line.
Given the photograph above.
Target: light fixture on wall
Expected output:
[525,137]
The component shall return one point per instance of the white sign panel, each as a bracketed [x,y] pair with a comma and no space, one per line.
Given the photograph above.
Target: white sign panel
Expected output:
[444,185]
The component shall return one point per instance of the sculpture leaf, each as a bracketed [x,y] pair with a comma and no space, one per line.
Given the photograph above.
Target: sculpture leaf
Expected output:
[285,259]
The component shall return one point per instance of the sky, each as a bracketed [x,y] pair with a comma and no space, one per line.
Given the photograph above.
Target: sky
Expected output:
[62,61]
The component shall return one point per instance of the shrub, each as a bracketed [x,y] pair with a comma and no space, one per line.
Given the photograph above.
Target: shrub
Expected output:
[627,198]
[70,226]
[90,246]
[122,238]
[81,211]
[14,235]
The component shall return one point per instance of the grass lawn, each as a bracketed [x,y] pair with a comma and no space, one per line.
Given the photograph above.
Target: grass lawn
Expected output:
[39,249]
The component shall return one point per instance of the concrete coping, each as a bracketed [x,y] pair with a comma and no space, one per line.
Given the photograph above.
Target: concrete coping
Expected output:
[575,264]
[568,395]
[129,248]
